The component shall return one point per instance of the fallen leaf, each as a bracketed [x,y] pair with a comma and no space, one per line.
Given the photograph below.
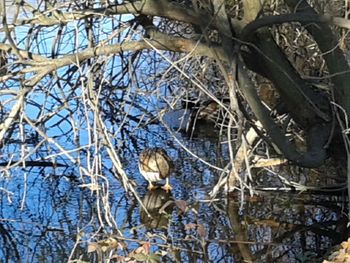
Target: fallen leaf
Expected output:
[108,243]
[182,205]
[144,249]
[147,247]
[92,247]
[201,230]
[190,226]
[269,162]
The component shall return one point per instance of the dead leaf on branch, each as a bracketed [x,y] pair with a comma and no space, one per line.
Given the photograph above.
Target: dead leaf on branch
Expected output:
[182,205]
[201,230]
[104,245]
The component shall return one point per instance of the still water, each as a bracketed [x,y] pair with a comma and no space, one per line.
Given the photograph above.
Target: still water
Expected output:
[76,207]
[53,215]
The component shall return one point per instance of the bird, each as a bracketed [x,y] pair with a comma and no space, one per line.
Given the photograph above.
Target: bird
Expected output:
[155,165]
[206,112]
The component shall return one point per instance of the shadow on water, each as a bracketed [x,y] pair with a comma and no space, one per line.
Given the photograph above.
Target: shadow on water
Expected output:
[45,211]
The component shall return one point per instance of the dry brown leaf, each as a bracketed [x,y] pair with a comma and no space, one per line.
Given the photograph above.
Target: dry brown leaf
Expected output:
[182,205]
[92,247]
[268,222]
[269,162]
[144,249]
[147,247]
[254,198]
[190,226]
[342,255]
[103,245]
[346,245]
[201,230]
[108,243]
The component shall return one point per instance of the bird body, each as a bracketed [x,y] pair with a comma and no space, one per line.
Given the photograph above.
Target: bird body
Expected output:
[155,165]
[204,115]
[209,111]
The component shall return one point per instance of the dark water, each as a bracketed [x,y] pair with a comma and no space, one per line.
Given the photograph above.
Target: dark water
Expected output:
[46,214]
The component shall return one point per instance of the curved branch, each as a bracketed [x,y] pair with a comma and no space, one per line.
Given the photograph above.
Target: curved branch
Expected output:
[316,153]
[291,87]
[160,8]
[280,19]
[337,65]
[323,35]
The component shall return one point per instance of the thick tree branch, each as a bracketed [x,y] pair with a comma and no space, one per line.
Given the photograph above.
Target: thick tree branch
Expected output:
[288,18]
[43,66]
[334,57]
[161,8]
[316,153]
